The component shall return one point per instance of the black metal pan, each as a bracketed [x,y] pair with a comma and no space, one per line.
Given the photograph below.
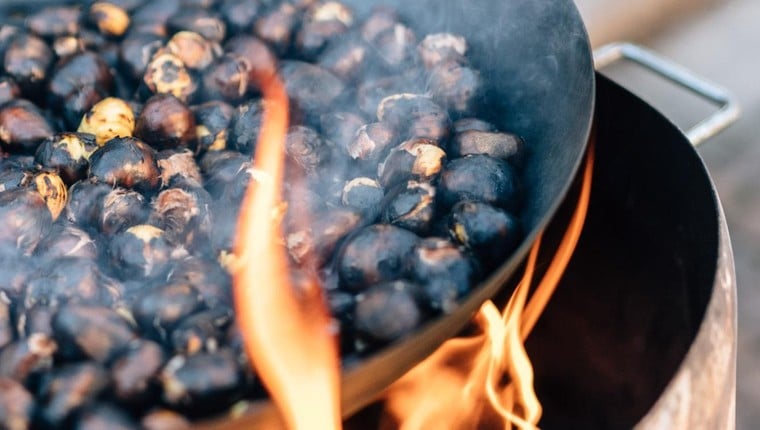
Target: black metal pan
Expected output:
[535,58]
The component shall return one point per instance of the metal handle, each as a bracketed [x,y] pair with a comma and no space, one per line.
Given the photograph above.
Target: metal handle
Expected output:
[707,128]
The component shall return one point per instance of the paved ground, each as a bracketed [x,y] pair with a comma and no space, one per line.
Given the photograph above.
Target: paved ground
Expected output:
[722,44]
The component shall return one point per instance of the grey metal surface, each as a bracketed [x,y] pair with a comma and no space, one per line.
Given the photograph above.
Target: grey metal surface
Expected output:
[719,42]
[702,395]
[610,346]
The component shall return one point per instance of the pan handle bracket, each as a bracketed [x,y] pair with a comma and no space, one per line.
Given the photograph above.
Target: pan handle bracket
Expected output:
[728,111]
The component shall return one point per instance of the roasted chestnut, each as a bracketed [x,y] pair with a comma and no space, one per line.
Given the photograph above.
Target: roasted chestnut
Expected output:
[126,162]
[375,254]
[67,153]
[165,122]
[108,119]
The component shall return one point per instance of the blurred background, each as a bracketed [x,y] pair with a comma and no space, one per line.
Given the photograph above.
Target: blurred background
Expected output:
[719,40]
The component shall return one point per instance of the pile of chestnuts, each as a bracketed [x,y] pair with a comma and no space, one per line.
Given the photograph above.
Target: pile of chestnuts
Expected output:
[127,129]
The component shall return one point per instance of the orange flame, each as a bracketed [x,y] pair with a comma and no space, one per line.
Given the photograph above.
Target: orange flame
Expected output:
[286,329]
[486,381]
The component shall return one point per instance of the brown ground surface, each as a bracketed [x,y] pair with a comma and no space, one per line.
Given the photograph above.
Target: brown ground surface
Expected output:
[721,42]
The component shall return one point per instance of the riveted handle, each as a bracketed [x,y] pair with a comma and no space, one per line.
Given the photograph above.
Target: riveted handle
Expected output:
[728,111]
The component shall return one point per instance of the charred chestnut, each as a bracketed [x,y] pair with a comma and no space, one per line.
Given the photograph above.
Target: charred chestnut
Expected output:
[104,415]
[109,18]
[348,57]
[198,20]
[239,15]
[26,356]
[165,122]
[84,203]
[136,51]
[178,163]
[414,115]
[372,91]
[226,79]
[371,142]
[387,311]
[442,47]
[7,34]
[276,27]
[489,232]
[444,272]
[195,51]
[151,17]
[208,277]
[66,153]
[17,162]
[27,60]
[66,46]
[25,217]
[71,280]
[126,162]
[66,240]
[245,127]
[260,60]
[341,305]
[54,21]
[479,178]
[305,148]
[339,128]
[317,243]
[164,419]
[202,332]
[16,405]
[221,168]
[380,19]
[120,210]
[183,213]
[364,194]
[8,90]
[498,145]
[167,74]
[322,22]
[410,205]
[22,126]
[142,251]
[375,254]
[134,369]
[128,5]
[454,86]
[88,380]
[300,81]
[235,190]
[35,320]
[204,382]
[159,310]
[418,159]
[212,119]
[396,47]
[472,124]
[14,178]
[93,332]
[108,119]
